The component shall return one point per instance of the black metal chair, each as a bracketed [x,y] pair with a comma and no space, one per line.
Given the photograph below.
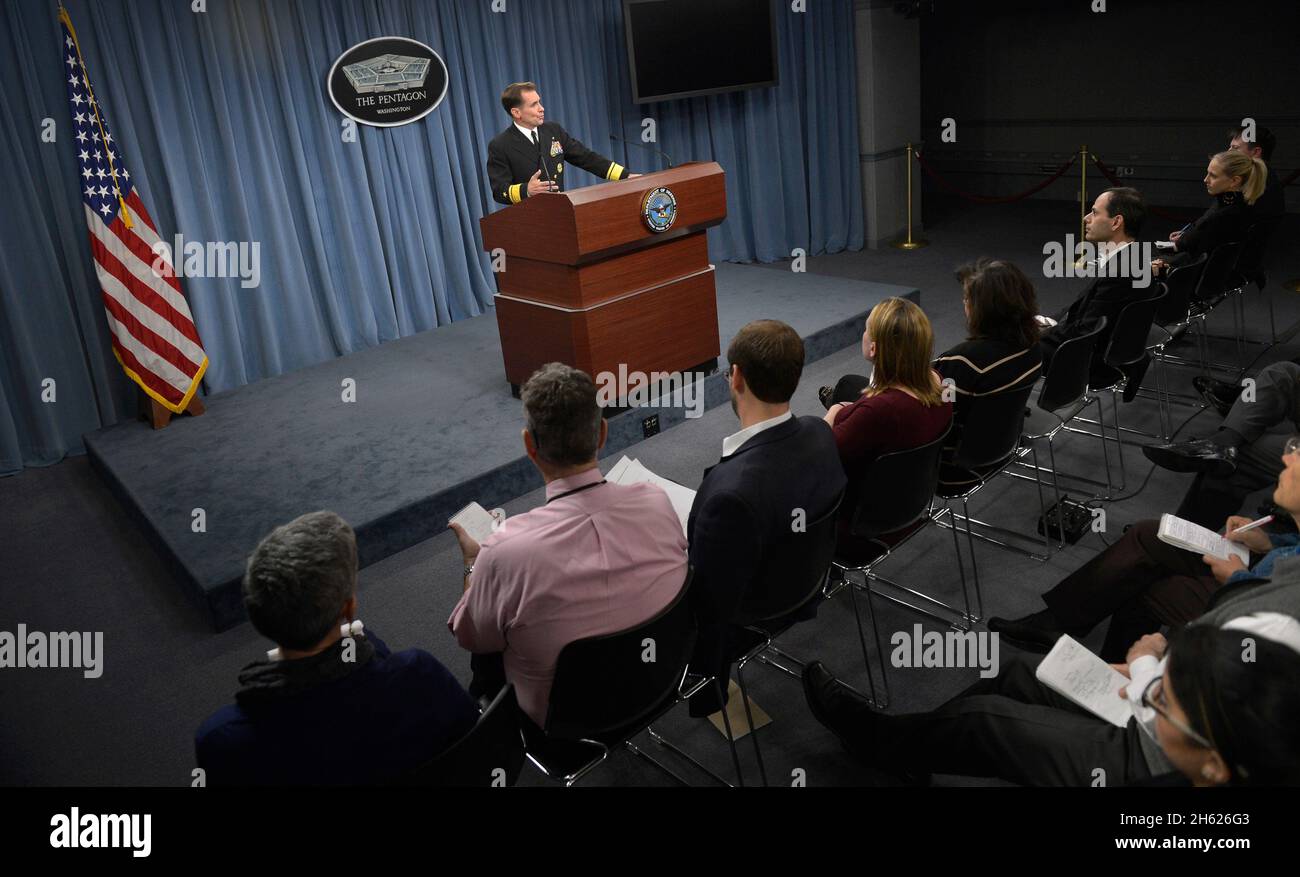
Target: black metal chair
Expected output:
[799,567]
[1065,389]
[989,443]
[1176,314]
[800,564]
[1125,350]
[1215,287]
[907,481]
[1250,268]
[606,691]
[490,754]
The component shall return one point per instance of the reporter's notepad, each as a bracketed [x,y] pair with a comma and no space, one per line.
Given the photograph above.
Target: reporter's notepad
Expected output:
[1077,674]
[476,521]
[627,471]
[1193,537]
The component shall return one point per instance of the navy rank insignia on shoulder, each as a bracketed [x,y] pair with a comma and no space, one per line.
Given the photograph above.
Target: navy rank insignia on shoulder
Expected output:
[659,209]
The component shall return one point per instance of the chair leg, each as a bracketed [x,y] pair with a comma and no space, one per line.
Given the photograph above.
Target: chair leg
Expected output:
[1105,454]
[961,567]
[880,652]
[1272,320]
[1056,490]
[974,567]
[862,639]
[1119,440]
[731,737]
[1163,402]
[1042,506]
[749,717]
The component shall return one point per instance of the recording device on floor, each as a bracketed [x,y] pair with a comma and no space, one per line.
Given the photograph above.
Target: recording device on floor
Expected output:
[1075,518]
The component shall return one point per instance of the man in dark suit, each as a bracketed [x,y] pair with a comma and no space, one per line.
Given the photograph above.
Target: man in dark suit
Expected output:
[1113,225]
[1271,205]
[528,158]
[776,475]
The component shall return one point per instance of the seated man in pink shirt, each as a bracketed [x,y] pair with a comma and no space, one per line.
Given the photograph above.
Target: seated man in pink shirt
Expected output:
[597,558]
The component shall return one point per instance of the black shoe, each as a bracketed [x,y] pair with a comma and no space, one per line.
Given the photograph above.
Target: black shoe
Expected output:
[1033,633]
[851,717]
[1217,394]
[824,396]
[1197,455]
[842,710]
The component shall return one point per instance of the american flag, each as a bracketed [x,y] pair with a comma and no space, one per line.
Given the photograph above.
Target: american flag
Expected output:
[154,337]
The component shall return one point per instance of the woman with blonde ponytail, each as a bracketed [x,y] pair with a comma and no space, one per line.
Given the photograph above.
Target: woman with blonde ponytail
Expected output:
[1236,181]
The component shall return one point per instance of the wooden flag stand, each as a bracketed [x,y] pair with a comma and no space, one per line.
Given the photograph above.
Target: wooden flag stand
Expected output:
[160,417]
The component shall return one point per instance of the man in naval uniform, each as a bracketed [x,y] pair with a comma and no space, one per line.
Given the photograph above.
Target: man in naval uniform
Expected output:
[529,157]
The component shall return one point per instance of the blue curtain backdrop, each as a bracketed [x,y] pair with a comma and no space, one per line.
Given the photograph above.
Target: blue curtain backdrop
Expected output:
[222,119]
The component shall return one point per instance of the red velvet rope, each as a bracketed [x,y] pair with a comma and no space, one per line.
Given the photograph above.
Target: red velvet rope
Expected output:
[983,199]
[1010,199]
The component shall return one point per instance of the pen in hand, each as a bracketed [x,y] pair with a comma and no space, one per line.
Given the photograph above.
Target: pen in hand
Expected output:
[1267,519]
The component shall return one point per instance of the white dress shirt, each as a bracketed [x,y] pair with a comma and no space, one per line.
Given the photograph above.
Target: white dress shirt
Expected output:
[732,443]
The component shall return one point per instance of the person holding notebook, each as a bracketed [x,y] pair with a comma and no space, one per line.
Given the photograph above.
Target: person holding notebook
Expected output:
[1200,714]
[1141,583]
[595,558]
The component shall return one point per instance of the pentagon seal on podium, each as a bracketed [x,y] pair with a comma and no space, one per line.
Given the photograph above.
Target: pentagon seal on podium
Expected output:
[659,209]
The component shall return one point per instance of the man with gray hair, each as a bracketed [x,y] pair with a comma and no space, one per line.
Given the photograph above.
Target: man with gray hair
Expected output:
[327,707]
[597,558]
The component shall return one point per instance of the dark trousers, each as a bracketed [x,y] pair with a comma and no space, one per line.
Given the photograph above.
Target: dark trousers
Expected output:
[1211,500]
[1015,728]
[1140,583]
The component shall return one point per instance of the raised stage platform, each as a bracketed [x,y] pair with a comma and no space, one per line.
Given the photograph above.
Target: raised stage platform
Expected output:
[433,427]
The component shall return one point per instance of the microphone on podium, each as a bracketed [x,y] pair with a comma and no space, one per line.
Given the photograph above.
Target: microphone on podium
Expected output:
[668,158]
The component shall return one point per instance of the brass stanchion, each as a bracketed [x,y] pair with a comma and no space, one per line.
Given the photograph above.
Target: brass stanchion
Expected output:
[1083,204]
[910,243]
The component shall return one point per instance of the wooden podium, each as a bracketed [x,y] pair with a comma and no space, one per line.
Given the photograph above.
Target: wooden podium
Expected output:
[587,283]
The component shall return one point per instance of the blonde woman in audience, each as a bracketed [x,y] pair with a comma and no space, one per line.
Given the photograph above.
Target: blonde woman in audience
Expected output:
[1236,181]
[901,406]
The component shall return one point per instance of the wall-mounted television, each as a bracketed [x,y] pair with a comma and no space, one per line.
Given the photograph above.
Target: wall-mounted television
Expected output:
[686,48]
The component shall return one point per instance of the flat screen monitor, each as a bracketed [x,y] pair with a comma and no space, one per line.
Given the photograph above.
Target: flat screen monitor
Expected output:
[686,48]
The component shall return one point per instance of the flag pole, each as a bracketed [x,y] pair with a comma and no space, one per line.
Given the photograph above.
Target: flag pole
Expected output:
[94,105]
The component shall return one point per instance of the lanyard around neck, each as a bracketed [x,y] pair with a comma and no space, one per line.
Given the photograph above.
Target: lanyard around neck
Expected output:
[575,490]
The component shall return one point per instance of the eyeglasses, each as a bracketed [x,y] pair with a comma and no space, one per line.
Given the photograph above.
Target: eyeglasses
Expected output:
[1154,696]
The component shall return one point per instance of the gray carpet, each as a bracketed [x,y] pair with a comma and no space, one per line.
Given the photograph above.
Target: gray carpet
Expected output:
[432,427]
[71,561]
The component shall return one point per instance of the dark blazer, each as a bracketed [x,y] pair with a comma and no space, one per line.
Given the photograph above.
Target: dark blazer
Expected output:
[1271,204]
[513,159]
[1227,221]
[744,507]
[1104,297]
